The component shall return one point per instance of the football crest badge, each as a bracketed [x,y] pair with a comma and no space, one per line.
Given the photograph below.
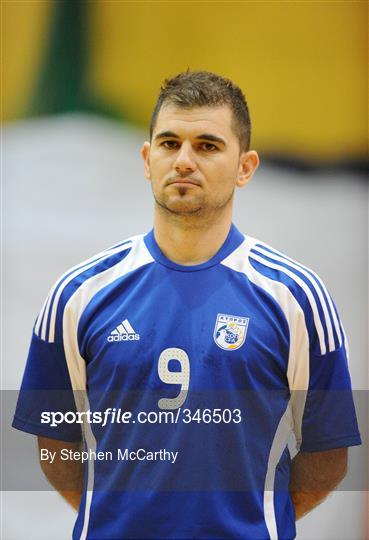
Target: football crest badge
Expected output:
[230,331]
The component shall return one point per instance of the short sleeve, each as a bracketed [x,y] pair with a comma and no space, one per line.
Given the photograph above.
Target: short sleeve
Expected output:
[329,420]
[321,411]
[46,387]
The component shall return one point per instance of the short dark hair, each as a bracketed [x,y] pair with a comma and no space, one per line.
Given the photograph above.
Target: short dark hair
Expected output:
[205,89]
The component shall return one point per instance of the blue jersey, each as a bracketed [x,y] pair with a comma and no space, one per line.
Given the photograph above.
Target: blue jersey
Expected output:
[214,367]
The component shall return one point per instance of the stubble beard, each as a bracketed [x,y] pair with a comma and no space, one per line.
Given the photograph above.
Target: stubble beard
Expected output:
[196,212]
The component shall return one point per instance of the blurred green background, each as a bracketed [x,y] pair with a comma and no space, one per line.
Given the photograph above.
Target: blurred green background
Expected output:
[303,65]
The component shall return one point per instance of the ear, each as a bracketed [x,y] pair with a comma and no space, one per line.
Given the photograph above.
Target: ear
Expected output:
[249,162]
[145,153]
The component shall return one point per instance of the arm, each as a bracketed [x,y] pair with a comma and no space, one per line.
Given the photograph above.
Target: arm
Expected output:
[314,475]
[65,476]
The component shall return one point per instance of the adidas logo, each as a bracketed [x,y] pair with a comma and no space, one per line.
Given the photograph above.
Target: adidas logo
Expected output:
[123,332]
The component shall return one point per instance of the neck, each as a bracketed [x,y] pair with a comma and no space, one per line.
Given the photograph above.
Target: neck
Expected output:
[187,240]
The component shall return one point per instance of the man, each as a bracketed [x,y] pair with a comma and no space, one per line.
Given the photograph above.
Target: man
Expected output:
[238,345]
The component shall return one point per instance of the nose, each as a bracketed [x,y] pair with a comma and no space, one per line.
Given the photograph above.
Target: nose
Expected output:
[185,161]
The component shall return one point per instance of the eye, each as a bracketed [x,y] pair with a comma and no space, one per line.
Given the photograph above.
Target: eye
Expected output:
[208,147]
[170,145]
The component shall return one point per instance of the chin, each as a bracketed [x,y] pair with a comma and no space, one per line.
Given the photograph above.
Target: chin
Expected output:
[185,204]
[183,208]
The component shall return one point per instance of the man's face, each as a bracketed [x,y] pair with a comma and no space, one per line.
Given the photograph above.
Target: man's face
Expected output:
[194,160]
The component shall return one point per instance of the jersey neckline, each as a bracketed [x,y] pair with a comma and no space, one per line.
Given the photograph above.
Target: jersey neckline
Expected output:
[233,240]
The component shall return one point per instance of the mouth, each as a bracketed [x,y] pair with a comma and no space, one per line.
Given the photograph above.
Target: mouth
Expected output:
[183,182]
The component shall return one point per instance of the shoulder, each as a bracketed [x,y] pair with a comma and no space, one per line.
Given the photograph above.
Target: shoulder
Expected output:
[99,268]
[281,267]
[298,289]
[255,255]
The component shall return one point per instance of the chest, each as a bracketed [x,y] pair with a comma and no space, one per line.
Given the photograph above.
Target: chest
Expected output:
[200,330]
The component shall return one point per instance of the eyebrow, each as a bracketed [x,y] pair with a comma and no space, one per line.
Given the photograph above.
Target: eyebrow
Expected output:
[203,136]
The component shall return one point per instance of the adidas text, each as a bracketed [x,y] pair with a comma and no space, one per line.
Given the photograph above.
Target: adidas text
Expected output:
[123,332]
[124,337]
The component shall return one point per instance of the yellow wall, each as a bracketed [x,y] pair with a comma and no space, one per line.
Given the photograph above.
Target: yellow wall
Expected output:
[302,65]
[25,27]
